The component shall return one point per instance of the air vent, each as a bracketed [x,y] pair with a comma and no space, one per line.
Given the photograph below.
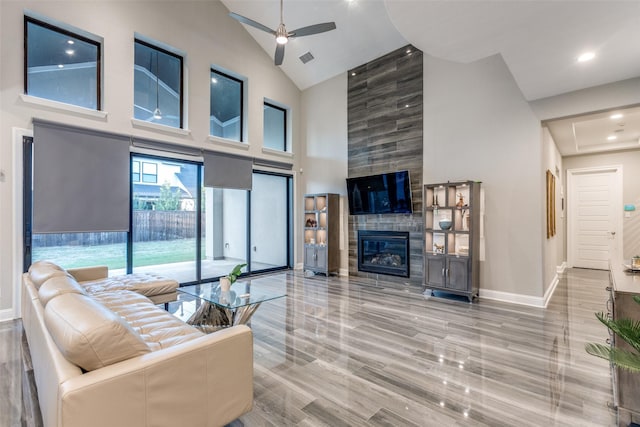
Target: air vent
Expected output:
[306,57]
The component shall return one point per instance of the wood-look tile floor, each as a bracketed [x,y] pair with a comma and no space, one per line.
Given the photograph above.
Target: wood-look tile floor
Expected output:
[354,352]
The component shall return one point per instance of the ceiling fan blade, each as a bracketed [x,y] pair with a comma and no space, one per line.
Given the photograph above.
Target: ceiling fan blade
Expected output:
[252,23]
[279,56]
[313,29]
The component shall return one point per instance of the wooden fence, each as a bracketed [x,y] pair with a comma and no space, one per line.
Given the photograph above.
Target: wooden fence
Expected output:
[148,226]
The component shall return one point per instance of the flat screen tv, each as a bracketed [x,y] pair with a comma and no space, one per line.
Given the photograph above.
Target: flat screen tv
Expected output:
[388,193]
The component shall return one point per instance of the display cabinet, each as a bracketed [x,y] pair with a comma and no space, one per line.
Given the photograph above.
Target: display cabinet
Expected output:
[322,233]
[452,237]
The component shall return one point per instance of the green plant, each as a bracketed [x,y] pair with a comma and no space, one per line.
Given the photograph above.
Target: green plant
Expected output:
[629,331]
[168,200]
[235,273]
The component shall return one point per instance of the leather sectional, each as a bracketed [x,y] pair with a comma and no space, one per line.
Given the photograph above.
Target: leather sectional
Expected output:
[104,354]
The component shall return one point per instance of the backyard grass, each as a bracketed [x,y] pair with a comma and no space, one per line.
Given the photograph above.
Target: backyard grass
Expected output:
[114,255]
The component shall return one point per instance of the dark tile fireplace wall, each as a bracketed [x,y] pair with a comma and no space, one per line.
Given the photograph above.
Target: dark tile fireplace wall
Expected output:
[385,134]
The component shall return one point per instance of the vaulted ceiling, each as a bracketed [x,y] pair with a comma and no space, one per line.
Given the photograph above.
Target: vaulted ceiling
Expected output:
[539,40]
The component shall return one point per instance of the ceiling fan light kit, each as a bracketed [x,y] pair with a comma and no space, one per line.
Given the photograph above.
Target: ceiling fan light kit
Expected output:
[281,34]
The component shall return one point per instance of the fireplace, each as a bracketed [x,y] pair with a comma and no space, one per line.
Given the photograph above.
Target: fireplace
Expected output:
[384,252]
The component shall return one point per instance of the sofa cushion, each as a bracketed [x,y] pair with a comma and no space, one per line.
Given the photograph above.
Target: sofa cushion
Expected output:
[147,284]
[90,335]
[58,285]
[41,271]
[158,328]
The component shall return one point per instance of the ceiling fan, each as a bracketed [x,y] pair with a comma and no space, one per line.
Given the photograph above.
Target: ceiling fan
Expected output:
[281,33]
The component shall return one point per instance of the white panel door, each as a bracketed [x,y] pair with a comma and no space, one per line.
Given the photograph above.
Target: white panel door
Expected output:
[594,236]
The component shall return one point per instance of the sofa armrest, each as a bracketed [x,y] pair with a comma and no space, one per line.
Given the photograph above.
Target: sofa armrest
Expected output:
[85,274]
[206,381]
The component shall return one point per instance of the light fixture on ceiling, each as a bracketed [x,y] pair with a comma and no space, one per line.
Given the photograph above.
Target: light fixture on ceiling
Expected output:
[616,116]
[157,114]
[612,138]
[587,56]
[281,33]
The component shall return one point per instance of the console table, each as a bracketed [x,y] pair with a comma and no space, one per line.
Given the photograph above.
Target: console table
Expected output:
[626,385]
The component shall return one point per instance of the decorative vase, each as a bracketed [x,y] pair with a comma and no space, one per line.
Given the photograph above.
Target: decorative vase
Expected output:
[225,284]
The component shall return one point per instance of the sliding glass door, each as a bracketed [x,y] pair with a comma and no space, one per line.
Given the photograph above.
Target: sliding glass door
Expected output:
[270,221]
[179,228]
[224,240]
[164,217]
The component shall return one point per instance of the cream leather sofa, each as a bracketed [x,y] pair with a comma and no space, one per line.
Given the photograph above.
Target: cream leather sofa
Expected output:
[106,356]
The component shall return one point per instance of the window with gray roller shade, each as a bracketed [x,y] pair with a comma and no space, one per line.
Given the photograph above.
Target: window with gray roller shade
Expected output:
[81,180]
[227,171]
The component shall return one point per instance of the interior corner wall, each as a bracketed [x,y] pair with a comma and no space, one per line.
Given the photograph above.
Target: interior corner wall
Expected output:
[324,161]
[554,246]
[630,161]
[478,126]
[203,30]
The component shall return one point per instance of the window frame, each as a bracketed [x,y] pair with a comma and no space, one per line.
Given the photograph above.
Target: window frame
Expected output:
[133,172]
[68,31]
[142,173]
[285,125]
[156,46]
[242,82]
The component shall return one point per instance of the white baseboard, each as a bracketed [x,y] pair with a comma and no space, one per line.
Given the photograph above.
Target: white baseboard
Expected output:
[7,314]
[561,268]
[550,290]
[512,298]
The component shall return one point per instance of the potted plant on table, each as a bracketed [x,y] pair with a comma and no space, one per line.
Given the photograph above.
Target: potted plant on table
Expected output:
[230,279]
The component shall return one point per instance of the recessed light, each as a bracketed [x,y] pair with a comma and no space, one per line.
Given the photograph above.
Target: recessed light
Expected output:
[69,51]
[70,42]
[612,138]
[616,116]
[587,56]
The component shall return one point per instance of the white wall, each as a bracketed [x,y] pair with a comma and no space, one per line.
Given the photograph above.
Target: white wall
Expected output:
[201,29]
[479,126]
[324,166]
[554,246]
[597,98]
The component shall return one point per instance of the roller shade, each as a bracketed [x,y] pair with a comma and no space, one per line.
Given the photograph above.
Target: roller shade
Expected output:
[166,147]
[223,170]
[81,180]
[272,164]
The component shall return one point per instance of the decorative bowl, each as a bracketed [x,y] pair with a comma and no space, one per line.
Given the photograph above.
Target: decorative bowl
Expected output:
[445,224]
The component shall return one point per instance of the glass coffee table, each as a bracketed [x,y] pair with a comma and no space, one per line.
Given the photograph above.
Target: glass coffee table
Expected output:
[220,309]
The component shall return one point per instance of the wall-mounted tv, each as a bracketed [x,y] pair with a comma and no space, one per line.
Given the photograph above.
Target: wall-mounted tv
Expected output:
[388,193]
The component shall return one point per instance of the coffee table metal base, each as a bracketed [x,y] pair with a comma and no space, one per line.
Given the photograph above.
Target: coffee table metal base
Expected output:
[211,317]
